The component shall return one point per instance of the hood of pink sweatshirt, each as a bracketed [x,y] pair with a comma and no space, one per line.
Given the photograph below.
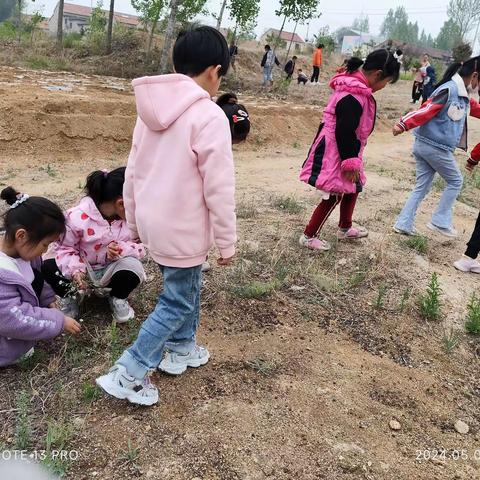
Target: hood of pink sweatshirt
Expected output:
[179,190]
[153,94]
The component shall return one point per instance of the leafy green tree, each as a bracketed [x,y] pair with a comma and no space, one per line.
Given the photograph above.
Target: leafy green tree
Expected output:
[32,25]
[362,24]
[465,14]
[397,26]
[449,35]
[97,21]
[150,11]
[244,13]
[326,38]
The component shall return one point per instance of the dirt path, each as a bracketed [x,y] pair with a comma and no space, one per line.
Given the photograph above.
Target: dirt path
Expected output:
[305,380]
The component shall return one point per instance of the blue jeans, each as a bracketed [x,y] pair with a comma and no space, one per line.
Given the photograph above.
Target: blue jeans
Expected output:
[431,160]
[172,325]
[267,75]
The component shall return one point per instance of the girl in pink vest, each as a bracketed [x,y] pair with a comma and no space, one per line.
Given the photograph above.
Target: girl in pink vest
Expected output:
[334,164]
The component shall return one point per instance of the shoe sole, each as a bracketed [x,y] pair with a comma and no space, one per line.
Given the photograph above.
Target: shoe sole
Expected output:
[404,232]
[199,362]
[434,228]
[123,394]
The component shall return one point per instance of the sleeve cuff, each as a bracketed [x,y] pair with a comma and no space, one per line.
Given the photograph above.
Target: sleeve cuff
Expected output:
[227,252]
[351,164]
[402,125]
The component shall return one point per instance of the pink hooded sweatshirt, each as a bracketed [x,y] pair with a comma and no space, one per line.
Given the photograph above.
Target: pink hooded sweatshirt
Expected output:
[179,190]
[324,167]
[87,238]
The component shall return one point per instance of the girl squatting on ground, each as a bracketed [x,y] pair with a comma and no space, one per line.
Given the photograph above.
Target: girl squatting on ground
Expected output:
[334,164]
[180,197]
[97,248]
[27,303]
[440,127]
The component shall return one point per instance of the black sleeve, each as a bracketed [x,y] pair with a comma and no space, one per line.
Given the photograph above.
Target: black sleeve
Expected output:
[264,59]
[277,62]
[348,112]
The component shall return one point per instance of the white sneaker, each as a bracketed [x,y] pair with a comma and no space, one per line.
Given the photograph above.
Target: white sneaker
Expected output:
[119,384]
[314,243]
[411,233]
[69,307]
[176,363]
[467,264]
[121,309]
[447,232]
[206,267]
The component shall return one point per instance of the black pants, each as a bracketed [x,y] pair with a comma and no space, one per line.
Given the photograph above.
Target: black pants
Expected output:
[473,245]
[123,283]
[302,80]
[315,74]
[416,91]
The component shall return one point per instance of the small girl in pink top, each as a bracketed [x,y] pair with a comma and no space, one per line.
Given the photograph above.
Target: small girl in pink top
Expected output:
[335,161]
[97,248]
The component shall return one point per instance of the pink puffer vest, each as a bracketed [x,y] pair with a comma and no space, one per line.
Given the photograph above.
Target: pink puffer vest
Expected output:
[323,167]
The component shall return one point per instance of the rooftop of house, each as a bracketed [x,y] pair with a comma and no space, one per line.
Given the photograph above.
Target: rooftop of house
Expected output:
[286,36]
[417,50]
[82,11]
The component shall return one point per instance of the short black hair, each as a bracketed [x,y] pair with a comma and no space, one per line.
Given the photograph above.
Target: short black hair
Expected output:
[103,186]
[294,57]
[321,45]
[198,48]
[377,60]
[237,115]
[267,47]
[40,217]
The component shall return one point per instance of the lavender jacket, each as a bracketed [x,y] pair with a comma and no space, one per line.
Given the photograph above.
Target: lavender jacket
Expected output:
[24,318]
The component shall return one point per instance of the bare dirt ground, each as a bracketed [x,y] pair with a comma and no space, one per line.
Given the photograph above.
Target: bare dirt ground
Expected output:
[308,367]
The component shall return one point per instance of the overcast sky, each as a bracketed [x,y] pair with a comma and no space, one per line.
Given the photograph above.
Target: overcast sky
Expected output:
[430,14]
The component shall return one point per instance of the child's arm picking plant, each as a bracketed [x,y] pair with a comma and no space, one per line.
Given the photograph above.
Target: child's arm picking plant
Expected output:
[71,326]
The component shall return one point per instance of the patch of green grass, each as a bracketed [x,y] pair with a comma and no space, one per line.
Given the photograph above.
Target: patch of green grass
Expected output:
[40,62]
[404,299]
[450,341]
[287,204]
[257,289]
[130,455]
[27,363]
[380,299]
[472,323]
[57,439]
[23,430]
[429,302]
[419,243]
[90,392]
[116,347]
[262,366]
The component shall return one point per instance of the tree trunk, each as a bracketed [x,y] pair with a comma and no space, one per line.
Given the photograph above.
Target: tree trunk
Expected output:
[60,25]
[291,40]
[169,35]
[19,20]
[110,27]
[152,32]
[279,34]
[220,15]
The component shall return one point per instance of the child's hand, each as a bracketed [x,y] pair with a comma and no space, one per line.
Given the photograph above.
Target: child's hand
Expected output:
[352,176]
[225,262]
[397,130]
[71,326]
[79,280]
[113,251]
[54,305]
[469,167]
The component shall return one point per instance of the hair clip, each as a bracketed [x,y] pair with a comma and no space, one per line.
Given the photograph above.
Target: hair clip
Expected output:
[105,173]
[21,197]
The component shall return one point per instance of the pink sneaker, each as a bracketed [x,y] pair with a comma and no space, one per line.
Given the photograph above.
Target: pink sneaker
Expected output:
[353,233]
[467,264]
[314,243]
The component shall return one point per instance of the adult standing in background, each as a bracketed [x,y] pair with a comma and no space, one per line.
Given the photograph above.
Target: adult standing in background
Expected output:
[317,62]
[233,50]
[268,61]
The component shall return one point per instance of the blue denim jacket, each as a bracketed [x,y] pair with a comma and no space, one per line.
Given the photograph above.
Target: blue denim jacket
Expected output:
[448,129]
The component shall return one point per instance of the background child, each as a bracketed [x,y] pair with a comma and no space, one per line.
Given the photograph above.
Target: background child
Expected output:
[442,127]
[180,195]
[269,60]
[429,83]
[302,78]
[97,236]
[317,62]
[469,262]
[334,164]
[417,87]
[237,115]
[27,303]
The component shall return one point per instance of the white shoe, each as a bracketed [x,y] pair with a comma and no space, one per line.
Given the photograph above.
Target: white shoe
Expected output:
[206,267]
[467,264]
[176,363]
[119,384]
[412,233]
[69,307]
[314,243]
[121,309]
[447,232]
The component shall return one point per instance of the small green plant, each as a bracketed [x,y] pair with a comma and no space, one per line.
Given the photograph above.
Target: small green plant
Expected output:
[404,299]
[450,340]
[51,172]
[116,347]
[380,300]
[430,305]
[261,366]
[247,209]
[419,243]
[288,204]
[58,436]
[23,431]
[90,392]
[296,144]
[257,289]
[131,454]
[472,323]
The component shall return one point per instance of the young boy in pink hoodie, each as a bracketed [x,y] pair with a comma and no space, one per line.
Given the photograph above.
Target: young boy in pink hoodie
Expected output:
[179,197]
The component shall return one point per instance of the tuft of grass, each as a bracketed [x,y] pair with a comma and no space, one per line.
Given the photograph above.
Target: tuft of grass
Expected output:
[472,323]
[23,431]
[380,300]
[257,289]
[450,341]
[40,62]
[262,366]
[131,454]
[57,439]
[90,392]
[404,299]
[116,347]
[288,204]
[419,243]
[429,302]
[247,209]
